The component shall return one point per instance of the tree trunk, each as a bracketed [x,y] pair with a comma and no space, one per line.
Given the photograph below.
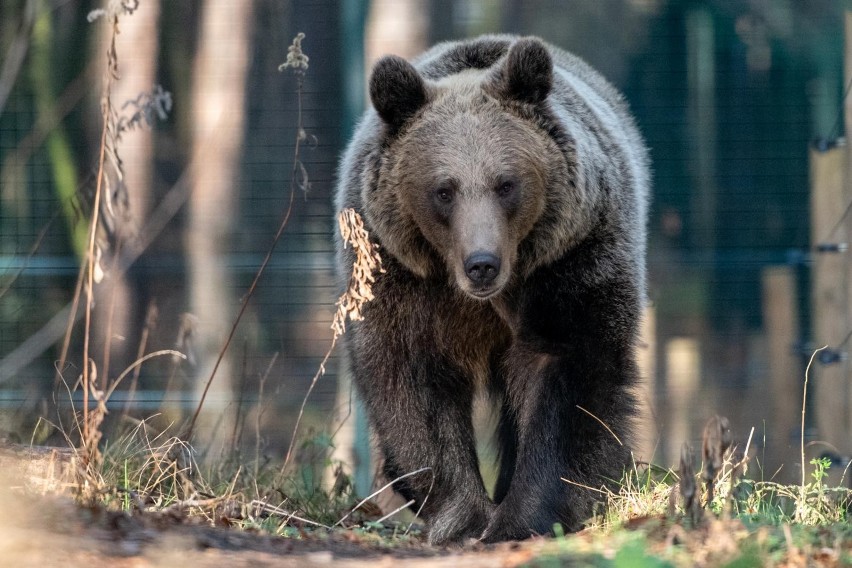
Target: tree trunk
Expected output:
[218,116]
[137,49]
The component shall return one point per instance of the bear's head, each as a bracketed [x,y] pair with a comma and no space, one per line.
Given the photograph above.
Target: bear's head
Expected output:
[466,167]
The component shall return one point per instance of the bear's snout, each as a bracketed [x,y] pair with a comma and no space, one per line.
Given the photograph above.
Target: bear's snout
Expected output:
[482,268]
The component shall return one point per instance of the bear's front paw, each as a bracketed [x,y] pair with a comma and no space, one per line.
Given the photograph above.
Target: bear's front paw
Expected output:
[503,532]
[506,525]
[459,521]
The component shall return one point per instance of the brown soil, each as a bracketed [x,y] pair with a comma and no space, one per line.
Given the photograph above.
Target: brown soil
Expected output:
[54,531]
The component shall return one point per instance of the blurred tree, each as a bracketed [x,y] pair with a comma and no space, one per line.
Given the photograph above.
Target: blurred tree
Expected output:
[59,149]
[218,115]
[512,16]
[442,21]
[137,49]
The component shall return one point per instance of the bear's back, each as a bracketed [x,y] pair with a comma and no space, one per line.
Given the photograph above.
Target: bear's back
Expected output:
[452,57]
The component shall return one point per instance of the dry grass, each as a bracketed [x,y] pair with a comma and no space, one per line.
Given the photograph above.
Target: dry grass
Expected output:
[143,469]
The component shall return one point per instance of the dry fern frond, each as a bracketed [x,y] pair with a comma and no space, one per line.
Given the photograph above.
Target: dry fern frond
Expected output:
[349,305]
[367,263]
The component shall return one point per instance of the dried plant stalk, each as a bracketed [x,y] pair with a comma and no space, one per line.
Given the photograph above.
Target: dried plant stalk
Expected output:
[298,61]
[715,443]
[349,305]
[367,263]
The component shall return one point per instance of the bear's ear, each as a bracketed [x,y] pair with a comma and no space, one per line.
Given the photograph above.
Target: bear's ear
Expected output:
[397,90]
[527,73]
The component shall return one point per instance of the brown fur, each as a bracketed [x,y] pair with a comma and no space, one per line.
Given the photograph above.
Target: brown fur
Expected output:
[506,183]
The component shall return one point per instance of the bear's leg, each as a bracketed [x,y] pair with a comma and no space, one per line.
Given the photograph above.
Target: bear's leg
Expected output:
[420,409]
[507,438]
[559,440]
[568,376]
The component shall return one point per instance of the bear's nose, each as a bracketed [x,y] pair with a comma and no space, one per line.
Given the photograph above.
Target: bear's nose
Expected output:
[482,268]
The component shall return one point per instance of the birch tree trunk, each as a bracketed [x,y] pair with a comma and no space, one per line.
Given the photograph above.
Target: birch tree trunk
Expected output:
[399,27]
[218,116]
[137,48]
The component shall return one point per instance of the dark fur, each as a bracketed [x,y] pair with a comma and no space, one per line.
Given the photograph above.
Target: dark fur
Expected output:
[396,101]
[558,331]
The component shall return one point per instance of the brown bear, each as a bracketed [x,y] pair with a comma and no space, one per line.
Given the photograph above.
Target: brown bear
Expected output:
[506,183]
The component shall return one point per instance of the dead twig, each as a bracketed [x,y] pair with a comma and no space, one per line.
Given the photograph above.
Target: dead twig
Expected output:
[349,305]
[385,486]
[800,506]
[604,424]
[150,323]
[262,506]
[297,166]
[688,488]
[715,442]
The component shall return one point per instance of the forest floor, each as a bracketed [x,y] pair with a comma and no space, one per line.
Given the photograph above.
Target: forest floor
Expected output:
[56,531]
[140,509]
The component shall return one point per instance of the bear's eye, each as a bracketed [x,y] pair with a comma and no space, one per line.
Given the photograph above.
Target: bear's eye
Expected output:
[505,188]
[444,195]
[442,202]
